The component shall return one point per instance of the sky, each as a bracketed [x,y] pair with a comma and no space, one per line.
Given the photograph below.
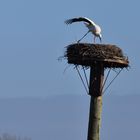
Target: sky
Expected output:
[33,36]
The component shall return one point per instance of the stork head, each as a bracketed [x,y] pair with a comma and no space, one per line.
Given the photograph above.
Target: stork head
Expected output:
[100,37]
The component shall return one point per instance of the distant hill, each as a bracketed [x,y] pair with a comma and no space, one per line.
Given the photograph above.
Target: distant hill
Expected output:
[65,117]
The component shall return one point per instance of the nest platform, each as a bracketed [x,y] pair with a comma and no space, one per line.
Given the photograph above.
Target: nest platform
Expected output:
[87,54]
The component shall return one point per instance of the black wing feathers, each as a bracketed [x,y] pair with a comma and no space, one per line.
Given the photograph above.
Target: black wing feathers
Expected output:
[70,21]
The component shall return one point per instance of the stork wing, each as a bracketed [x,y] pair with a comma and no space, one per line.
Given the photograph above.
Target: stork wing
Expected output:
[70,21]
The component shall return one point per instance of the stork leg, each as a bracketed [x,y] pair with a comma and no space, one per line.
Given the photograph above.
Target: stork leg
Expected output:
[83,37]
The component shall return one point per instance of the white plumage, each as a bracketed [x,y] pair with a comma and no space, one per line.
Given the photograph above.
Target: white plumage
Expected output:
[92,27]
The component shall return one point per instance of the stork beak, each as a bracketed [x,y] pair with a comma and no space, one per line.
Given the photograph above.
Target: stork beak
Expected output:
[100,39]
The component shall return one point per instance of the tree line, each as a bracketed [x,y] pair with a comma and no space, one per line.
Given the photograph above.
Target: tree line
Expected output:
[7,136]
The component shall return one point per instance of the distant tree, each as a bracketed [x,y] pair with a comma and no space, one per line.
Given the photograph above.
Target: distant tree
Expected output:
[7,136]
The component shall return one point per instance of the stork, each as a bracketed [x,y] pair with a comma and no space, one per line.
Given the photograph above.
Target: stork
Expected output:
[92,27]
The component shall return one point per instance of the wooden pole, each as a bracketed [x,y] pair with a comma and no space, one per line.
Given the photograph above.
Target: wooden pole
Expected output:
[95,90]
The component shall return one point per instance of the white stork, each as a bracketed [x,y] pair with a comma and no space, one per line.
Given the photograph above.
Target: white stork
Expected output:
[93,28]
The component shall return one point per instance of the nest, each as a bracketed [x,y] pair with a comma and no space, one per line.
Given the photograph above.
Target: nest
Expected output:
[86,54]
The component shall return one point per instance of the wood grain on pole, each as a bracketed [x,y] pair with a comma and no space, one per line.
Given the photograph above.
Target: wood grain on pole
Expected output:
[95,118]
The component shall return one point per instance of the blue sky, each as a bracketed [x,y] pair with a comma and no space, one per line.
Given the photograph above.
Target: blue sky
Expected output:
[33,35]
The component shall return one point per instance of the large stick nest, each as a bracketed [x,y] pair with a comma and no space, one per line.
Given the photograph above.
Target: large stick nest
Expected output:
[89,54]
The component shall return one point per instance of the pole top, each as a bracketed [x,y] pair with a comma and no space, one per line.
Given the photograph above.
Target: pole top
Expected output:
[87,54]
